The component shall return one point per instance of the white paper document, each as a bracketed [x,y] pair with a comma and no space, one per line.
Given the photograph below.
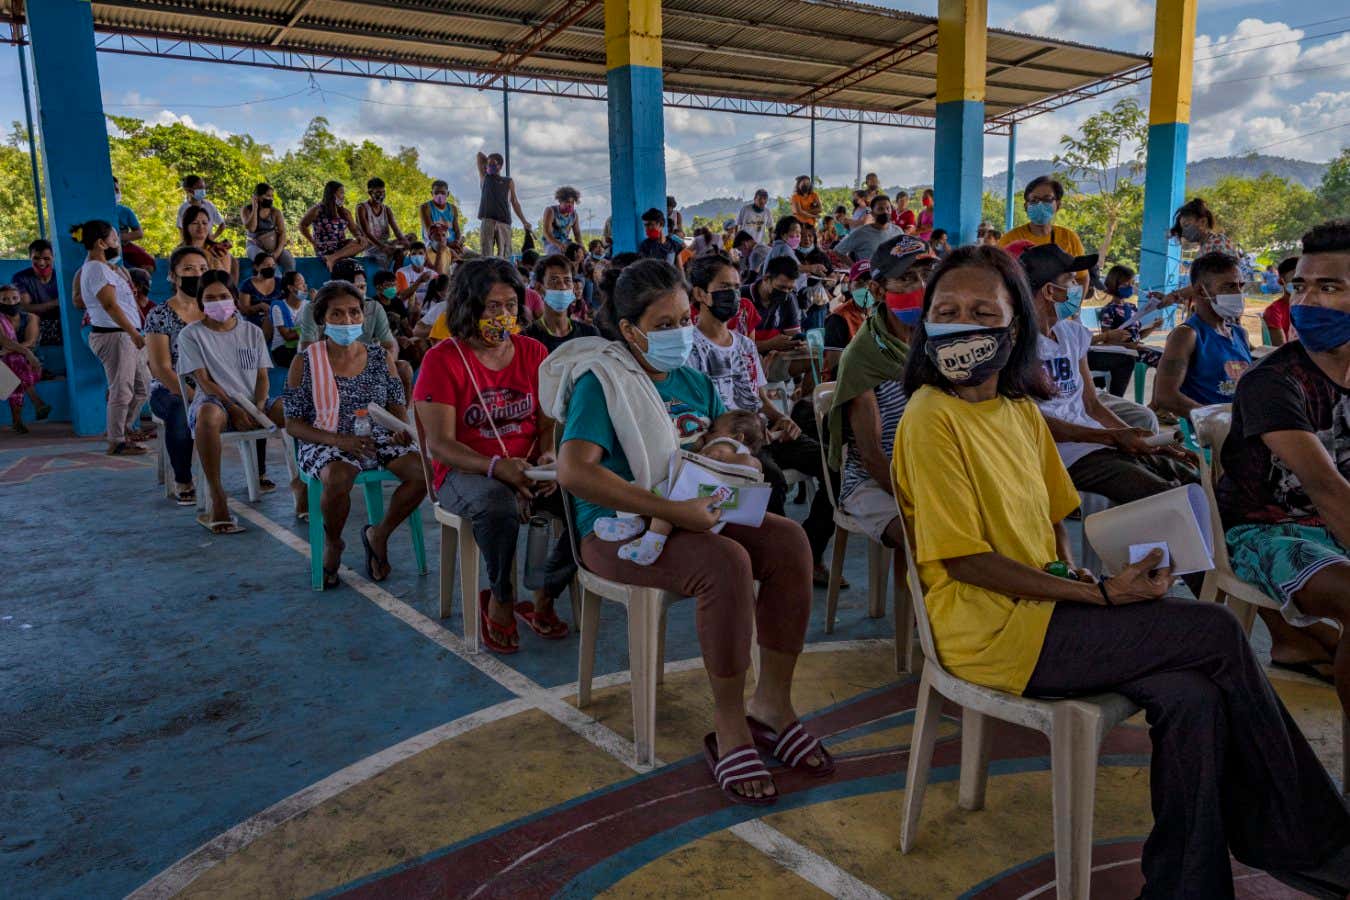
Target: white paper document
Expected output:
[1178,521]
[697,476]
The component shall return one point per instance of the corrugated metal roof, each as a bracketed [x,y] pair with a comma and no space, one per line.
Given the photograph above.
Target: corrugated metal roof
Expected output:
[834,53]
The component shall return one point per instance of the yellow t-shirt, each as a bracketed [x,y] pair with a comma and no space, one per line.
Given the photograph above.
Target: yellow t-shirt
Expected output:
[440,329]
[975,478]
[1065,238]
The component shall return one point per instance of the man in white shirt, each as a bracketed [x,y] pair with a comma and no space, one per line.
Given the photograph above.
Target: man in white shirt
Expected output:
[194,187]
[1103,454]
[755,219]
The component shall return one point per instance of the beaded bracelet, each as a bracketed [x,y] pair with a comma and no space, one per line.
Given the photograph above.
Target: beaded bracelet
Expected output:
[492,465]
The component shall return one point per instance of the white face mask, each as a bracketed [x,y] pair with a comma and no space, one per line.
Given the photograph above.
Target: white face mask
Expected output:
[1229,306]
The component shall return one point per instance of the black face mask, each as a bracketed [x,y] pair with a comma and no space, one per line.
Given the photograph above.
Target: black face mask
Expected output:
[725,304]
[111,253]
[187,284]
[776,297]
[881,218]
[265,203]
[267,272]
[9,309]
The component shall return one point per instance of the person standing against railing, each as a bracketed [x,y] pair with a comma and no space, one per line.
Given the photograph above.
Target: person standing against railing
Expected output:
[985,494]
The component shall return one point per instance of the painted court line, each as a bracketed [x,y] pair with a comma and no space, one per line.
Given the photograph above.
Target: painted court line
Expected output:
[805,863]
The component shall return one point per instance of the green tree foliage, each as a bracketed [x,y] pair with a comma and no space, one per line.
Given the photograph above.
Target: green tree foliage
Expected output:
[1108,152]
[1263,212]
[18,215]
[1333,195]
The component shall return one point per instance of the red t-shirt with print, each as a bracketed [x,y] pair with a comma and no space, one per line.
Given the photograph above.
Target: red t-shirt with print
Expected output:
[511,395]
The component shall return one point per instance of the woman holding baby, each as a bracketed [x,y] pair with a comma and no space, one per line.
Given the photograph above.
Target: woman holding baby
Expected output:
[628,405]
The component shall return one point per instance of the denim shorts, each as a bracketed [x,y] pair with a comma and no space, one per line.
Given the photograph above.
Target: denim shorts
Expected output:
[1280,560]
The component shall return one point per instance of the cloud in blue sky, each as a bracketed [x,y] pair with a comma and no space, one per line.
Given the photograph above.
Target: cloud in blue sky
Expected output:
[1265,78]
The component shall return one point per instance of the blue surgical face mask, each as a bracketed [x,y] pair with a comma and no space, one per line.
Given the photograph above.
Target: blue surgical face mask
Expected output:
[668,350]
[942,329]
[559,301]
[199,194]
[302,296]
[1126,292]
[1041,212]
[342,335]
[417,259]
[863,297]
[1068,308]
[1320,328]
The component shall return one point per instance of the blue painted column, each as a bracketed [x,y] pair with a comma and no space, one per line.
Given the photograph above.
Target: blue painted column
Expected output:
[1012,179]
[958,164]
[1169,118]
[637,132]
[79,173]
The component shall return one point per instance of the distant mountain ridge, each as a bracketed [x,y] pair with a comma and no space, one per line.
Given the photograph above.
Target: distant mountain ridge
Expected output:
[1199,174]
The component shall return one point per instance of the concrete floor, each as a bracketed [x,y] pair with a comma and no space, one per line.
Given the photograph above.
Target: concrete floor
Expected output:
[181,712]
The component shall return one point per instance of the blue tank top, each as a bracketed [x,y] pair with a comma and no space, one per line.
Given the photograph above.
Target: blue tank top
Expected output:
[562,224]
[447,216]
[1216,363]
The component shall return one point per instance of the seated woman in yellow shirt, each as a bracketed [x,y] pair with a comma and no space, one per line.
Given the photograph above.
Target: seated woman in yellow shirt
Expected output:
[984,495]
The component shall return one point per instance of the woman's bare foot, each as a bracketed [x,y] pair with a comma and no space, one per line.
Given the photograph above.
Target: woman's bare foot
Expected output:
[732,732]
[502,616]
[779,716]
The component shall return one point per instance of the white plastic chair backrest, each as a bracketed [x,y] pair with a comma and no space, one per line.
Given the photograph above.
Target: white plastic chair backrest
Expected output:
[1211,425]
[780,392]
[916,585]
[822,398]
[422,452]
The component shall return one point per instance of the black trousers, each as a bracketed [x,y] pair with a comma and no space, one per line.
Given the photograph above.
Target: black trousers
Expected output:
[1125,477]
[802,454]
[1119,366]
[1230,769]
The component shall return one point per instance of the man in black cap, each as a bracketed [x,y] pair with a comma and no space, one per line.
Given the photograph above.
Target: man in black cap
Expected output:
[1103,454]
[869,395]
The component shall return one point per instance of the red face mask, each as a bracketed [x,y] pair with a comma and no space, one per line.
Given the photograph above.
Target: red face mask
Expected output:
[565,208]
[896,302]
[654,233]
[927,201]
[42,268]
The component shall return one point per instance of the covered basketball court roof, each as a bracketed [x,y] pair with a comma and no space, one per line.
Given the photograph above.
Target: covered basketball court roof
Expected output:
[827,59]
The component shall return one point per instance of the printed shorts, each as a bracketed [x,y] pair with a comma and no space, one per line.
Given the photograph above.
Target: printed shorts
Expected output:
[1280,559]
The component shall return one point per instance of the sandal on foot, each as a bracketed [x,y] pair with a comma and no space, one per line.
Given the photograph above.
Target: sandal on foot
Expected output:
[739,766]
[486,626]
[186,497]
[371,558]
[221,526]
[793,747]
[546,625]
[330,579]
[266,485]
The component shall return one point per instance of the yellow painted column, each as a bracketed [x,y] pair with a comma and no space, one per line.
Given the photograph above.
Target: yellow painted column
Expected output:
[1169,116]
[958,164]
[637,159]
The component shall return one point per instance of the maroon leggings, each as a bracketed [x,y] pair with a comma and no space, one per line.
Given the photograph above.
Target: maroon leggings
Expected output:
[719,571]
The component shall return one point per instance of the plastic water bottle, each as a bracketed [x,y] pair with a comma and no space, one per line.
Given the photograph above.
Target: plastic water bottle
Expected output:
[362,426]
[536,552]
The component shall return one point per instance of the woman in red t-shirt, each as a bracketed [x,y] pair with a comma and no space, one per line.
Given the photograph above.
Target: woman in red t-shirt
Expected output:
[478,402]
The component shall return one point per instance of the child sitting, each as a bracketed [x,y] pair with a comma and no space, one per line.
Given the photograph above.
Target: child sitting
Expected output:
[735,437]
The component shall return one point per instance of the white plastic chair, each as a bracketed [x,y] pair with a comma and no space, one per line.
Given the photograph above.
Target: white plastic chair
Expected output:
[646,642]
[879,556]
[163,467]
[244,441]
[457,546]
[780,394]
[1221,583]
[1089,503]
[1075,728]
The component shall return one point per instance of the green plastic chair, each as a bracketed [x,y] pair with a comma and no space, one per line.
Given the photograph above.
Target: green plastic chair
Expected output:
[372,484]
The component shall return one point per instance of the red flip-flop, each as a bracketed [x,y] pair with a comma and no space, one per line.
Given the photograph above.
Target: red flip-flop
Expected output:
[792,747]
[486,625]
[538,621]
